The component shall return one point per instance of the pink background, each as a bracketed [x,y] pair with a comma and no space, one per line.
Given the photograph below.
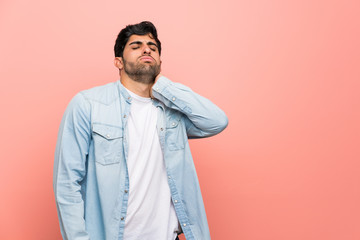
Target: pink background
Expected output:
[286,73]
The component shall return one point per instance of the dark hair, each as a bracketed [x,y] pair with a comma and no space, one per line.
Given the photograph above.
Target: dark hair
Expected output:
[142,28]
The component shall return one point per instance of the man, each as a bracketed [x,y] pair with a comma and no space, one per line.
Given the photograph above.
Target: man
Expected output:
[123,167]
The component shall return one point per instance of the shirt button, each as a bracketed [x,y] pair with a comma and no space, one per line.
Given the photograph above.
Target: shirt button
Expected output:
[184,224]
[122,218]
[173,124]
[161,129]
[125,116]
[169,177]
[107,135]
[126,191]
[175,201]
[173,99]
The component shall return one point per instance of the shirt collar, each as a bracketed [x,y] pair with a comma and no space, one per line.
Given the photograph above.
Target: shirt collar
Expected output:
[124,92]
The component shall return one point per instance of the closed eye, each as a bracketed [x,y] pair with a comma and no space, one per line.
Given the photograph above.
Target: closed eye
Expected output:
[135,45]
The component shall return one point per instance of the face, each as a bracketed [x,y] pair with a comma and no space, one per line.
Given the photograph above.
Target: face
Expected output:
[141,59]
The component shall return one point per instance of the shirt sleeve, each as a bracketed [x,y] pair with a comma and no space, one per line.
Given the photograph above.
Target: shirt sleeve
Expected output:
[202,117]
[69,168]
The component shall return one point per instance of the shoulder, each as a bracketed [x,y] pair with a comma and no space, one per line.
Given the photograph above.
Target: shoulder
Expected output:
[104,94]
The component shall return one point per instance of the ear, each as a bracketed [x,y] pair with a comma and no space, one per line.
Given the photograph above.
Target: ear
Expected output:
[118,62]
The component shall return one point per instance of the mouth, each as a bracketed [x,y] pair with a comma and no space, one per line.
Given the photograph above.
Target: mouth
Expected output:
[146,59]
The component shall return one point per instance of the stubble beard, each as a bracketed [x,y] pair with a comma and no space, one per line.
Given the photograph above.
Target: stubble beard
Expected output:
[141,72]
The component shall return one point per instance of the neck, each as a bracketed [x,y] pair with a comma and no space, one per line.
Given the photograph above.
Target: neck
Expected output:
[139,88]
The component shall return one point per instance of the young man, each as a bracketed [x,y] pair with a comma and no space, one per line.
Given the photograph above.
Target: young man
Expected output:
[123,167]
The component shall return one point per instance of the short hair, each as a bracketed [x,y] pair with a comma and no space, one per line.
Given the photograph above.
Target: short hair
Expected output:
[142,28]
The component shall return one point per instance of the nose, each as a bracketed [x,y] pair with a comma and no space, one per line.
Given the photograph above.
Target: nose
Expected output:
[146,50]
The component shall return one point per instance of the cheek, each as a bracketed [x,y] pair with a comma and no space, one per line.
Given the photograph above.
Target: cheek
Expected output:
[157,59]
[129,55]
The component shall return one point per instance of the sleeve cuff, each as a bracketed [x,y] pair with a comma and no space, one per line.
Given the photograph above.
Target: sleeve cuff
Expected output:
[161,84]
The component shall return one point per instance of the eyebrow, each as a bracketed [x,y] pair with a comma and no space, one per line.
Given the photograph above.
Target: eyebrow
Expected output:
[139,42]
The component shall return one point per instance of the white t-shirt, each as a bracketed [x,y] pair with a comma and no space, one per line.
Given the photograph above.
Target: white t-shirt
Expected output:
[150,214]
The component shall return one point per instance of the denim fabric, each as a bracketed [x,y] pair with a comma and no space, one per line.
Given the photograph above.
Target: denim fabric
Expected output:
[91,181]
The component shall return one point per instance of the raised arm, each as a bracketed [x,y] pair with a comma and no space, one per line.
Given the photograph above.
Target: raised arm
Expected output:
[202,117]
[69,168]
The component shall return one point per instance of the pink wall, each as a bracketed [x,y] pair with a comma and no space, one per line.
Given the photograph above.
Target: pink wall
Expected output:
[286,73]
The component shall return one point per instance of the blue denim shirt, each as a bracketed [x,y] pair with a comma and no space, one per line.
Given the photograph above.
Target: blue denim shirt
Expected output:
[91,181]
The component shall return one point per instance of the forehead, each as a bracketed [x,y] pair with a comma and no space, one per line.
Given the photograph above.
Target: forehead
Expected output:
[141,38]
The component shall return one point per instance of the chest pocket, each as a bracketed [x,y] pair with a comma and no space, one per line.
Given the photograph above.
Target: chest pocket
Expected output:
[175,134]
[108,143]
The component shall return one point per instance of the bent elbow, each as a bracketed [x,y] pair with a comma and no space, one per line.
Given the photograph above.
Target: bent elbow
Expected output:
[222,122]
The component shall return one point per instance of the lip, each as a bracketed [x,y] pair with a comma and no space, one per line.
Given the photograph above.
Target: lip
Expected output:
[147,58]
